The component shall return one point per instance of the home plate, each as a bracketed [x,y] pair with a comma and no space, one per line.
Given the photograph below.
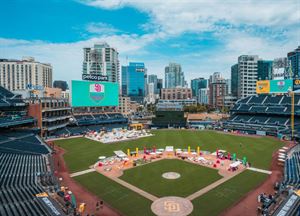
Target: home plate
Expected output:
[172,206]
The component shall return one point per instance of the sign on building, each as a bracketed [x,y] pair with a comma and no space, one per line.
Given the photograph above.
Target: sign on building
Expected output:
[93,77]
[263,87]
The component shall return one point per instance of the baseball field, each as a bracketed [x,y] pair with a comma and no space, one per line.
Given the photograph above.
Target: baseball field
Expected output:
[80,153]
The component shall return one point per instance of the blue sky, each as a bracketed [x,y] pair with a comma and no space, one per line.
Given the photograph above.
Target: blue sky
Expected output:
[203,36]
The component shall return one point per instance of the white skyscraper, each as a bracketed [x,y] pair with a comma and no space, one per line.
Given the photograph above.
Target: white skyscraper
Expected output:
[203,96]
[101,60]
[174,77]
[25,73]
[247,75]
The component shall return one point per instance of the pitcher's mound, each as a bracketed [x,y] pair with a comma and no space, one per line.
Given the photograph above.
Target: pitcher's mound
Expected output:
[172,206]
[171,175]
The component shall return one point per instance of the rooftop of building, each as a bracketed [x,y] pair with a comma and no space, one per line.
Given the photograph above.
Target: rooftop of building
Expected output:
[24,59]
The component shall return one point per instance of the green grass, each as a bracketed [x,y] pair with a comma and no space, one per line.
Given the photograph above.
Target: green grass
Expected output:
[82,152]
[149,177]
[210,204]
[126,201]
[222,197]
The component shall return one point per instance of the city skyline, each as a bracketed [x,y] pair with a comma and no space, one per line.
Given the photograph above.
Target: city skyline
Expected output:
[191,33]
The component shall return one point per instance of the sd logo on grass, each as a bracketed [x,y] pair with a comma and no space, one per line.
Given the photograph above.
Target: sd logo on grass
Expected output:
[96,92]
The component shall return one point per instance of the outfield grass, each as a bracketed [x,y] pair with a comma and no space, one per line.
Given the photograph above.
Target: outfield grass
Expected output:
[222,197]
[82,152]
[149,177]
[126,201]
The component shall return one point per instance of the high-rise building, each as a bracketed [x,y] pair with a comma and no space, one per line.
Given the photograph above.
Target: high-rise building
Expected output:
[247,75]
[203,96]
[159,85]
[280,69]
[234,79]
[176,93]
[228,86]
[198,83]
[174,77]
[264,70]
[153,79]
[294,62]
[151,96]
[217,90]
[101,60]
[63,85]
[24,74]
[133,81]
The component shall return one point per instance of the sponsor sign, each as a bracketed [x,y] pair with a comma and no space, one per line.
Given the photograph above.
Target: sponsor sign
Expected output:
[296,84]
[90,94]
[263,87]
[34,87]
[281,86]
[93,77]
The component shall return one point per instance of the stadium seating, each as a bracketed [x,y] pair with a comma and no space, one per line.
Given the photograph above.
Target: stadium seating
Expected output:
[264,113]
[19,177]
[257,99]
[292,170]
[22,142]
[13,110]
[81,130]
[96,119]
[5,93]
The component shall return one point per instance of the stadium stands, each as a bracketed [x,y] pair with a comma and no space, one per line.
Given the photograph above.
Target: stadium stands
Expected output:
[22,177]
[82,130]
[96,119]
[292,168]
[267,113]
[22,142]
[12,110]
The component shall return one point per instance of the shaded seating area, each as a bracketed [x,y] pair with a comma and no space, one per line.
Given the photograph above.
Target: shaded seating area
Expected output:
[100,118]
[22,142]
[19,177]
[292,170]
[264,114]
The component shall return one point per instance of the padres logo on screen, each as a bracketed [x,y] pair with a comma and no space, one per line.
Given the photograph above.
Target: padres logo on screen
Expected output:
[97,92]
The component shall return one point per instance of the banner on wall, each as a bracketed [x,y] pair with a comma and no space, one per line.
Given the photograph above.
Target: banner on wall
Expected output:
[263,87]
[296,84]
[281,86]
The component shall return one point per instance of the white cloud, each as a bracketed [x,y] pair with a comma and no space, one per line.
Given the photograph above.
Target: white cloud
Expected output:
[234,24]
[101,28]
[66,58]
[177,16]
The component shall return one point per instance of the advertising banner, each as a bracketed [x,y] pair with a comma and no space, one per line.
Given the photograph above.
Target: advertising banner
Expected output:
[296,84]
[281,86]
[91,94]
[263,87]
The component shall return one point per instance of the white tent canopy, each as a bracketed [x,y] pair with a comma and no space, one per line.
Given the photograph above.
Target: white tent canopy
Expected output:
[235,164]
[169,149]
[120,154]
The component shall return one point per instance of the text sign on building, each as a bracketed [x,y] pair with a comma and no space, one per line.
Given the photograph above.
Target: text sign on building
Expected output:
[92,94]
[281,86]
[93,77]
[296,84]
[263,87]
[34,87]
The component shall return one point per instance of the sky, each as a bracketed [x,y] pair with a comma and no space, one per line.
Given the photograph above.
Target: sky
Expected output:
[204,36]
